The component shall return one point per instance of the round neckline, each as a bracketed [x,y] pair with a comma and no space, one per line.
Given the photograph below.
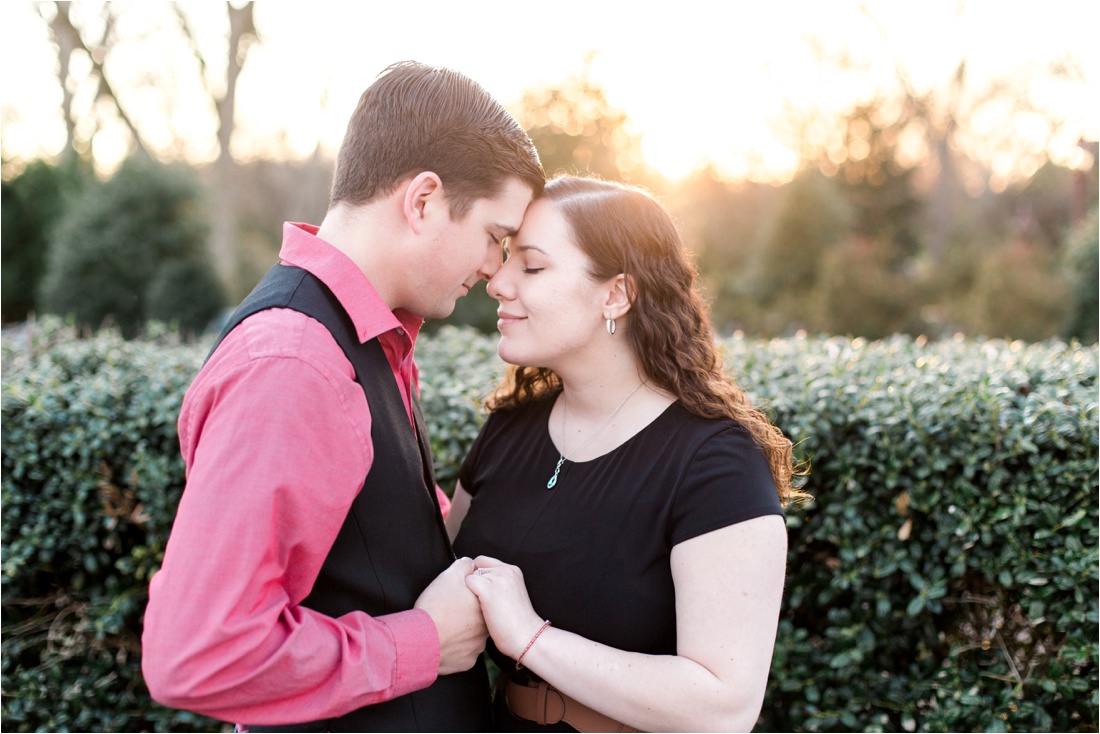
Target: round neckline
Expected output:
[545,423]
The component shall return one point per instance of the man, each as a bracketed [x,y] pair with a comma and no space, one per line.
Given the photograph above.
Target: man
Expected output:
[308,579]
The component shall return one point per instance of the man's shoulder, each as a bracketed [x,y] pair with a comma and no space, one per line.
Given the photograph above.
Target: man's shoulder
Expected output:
[280,334]
[276,365]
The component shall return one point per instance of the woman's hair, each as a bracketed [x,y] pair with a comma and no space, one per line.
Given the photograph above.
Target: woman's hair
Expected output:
[417,117]
[623,229]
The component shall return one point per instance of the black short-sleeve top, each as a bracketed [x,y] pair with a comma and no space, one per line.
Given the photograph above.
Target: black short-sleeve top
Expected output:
[595,549]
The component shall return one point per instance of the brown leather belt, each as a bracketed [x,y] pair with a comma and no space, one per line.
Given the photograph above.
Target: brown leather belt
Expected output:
[543,704]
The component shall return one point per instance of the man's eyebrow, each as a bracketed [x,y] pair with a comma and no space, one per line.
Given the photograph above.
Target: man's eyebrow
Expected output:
[505,230]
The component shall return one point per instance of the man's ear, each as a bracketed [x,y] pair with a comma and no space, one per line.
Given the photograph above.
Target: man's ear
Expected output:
[421,192]
[619,294]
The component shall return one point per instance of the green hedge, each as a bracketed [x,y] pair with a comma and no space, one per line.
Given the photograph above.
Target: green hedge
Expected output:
[945,578]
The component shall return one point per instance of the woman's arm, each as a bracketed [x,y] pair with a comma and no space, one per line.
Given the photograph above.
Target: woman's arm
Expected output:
[729,586]
[460,505]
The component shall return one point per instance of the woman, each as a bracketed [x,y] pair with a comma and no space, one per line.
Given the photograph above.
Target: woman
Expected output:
[629,479]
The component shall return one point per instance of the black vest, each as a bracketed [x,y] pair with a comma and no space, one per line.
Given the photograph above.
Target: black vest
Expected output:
[393,542]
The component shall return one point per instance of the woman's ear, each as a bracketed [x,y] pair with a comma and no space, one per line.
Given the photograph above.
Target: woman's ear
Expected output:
[619,294]
[422,192]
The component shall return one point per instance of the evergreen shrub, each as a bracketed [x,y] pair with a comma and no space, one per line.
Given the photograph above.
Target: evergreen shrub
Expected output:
[944,578]
[132,249]
[1082,255]
[33,202]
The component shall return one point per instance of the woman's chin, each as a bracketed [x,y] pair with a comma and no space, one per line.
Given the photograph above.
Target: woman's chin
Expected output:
[508,353]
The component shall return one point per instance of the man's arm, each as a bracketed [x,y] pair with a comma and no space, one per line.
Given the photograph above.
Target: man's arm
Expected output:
[277,446]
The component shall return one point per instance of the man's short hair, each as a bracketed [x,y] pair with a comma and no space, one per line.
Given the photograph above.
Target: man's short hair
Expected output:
[417,118]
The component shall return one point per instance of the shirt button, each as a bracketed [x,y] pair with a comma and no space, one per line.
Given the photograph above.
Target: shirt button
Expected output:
[400,331]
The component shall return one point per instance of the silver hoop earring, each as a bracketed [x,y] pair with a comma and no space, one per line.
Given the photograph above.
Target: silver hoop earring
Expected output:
[611,326]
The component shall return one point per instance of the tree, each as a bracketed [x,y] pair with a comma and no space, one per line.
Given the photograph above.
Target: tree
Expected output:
[95,43]
[861,292]
[242,34]
[722,224]
[1083,260]
[92,29]
[1019,293]
[813,218]
[132,249]
[941,131]
[577,131]
[33,202]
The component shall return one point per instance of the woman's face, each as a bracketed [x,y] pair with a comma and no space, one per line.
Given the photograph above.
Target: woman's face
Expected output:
[551,311]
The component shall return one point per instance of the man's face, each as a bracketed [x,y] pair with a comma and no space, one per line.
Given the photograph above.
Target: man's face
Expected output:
[467,250]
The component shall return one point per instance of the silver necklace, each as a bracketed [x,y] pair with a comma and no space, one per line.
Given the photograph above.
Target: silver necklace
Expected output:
[565,412]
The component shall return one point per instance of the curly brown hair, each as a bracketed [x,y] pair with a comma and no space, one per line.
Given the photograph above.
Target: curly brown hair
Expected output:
[623,229]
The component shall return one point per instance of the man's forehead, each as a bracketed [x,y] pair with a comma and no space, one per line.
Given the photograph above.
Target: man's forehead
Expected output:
[505,210]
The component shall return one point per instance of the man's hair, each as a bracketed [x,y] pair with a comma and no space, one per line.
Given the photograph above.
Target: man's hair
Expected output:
[417,118]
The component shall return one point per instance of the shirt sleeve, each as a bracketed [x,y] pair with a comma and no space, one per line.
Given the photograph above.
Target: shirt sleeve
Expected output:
[729,481]
[277,445]
[444,501]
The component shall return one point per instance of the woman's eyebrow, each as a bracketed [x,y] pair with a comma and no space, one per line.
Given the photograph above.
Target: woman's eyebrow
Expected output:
[524,248]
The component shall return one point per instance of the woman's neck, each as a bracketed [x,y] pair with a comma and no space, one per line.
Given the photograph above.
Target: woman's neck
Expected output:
[595,390]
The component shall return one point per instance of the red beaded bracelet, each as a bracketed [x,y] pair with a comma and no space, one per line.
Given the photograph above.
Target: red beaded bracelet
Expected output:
[545,624]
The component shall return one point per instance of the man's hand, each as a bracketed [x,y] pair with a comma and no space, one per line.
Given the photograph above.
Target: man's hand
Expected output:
[457,616]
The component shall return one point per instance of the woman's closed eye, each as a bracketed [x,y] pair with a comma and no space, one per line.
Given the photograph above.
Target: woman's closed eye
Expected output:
[531,271]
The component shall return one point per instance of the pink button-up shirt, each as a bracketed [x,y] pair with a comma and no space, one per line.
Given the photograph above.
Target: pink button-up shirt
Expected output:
[275,435]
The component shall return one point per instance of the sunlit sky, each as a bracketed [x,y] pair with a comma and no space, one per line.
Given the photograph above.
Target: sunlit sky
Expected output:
[700,80]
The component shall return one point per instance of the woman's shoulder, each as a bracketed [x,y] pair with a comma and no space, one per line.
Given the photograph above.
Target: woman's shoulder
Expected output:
[725,479]
[695,430]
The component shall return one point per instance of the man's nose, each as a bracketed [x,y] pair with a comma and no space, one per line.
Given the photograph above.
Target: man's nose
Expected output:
[493,260]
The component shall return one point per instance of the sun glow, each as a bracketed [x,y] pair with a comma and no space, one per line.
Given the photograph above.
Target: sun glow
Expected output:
[702,83]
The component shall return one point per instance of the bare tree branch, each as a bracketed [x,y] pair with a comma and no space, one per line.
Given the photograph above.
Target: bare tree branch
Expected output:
[63,27]
[63,33]
[186,27]
[242,32]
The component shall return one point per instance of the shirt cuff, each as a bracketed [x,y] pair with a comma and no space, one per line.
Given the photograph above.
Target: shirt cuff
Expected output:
[416,642]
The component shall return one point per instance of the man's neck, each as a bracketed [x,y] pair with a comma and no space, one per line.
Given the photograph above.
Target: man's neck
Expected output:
[362,233]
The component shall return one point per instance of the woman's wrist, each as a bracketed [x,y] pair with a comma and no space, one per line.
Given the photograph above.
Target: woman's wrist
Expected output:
[538,633]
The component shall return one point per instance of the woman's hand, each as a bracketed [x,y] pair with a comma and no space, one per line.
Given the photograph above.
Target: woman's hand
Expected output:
[511,619]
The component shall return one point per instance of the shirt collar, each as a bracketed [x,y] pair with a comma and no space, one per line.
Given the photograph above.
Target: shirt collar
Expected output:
[369,313]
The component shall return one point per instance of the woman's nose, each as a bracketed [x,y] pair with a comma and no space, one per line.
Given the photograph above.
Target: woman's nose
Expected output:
[498,286]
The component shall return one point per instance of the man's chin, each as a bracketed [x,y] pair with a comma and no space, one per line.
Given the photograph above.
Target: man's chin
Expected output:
[441,311]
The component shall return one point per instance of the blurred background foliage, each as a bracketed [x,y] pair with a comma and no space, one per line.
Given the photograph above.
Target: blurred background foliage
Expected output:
[133,249]
[891,226]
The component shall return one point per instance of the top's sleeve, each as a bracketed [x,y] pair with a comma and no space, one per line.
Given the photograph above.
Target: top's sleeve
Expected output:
[276,446]
[467,473]
[729,481]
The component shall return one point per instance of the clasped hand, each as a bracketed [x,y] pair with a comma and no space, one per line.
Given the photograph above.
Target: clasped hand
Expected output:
[509,616]
[456,613]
